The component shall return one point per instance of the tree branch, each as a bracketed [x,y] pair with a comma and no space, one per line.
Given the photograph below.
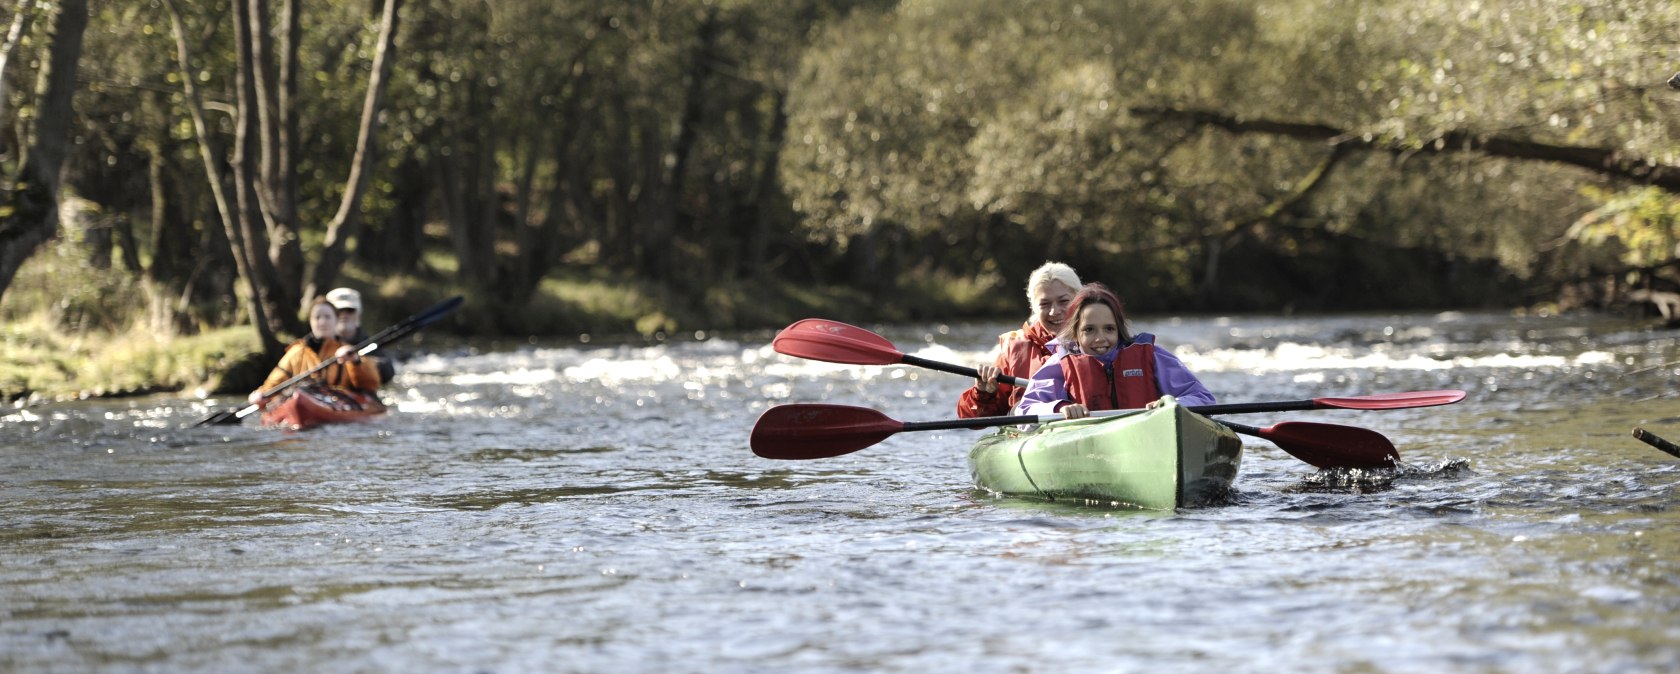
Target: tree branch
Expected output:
[346,223]
[1604,161]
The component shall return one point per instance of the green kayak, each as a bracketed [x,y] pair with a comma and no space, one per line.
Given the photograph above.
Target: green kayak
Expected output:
[1164,458]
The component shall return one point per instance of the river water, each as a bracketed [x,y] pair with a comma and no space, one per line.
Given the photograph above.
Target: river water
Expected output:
[578,508]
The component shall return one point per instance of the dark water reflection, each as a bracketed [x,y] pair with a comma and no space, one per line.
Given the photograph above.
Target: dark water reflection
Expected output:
[571,509]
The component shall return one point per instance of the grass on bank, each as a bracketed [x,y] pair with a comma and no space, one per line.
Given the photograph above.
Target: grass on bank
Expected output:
[40,362]
[69,331]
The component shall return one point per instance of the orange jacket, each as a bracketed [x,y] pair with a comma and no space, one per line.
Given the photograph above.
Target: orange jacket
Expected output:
[1020,353]
[300,357]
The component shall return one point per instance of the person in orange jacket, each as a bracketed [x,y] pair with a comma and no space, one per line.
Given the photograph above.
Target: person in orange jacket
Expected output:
[349,305]
[350,373]
[1020,353]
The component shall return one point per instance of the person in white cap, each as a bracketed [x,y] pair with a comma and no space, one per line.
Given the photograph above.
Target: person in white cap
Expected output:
[348,302]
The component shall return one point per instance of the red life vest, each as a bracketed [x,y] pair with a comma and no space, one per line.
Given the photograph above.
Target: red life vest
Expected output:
[1130,384]
[1020,354]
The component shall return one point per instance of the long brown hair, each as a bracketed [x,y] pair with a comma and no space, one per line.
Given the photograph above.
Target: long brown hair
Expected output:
[1093,293]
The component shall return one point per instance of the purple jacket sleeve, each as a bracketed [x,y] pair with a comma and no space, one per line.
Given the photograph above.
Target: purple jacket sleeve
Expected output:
[1046,393]
[1177,381]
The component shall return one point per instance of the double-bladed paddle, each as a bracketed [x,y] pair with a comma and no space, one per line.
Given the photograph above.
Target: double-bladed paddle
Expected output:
[1322,445]
[836,342]
[820,431]
[401,329]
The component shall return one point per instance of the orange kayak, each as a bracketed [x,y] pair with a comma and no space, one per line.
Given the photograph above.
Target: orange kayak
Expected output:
[313,406]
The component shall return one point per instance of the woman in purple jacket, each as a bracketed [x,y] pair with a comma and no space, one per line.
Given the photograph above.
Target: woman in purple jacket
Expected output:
[1106,367]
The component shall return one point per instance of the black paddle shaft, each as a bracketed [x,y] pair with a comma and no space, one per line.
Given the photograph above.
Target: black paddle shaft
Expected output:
[983,422]
[1242,408]
[958,369]
[1651,439]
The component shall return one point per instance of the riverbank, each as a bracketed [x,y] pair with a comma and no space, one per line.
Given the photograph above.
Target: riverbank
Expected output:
[50,350]
[39,363]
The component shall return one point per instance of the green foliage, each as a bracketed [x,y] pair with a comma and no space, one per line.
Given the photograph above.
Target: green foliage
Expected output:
[972,115]
[98,298]
[538,153]
[1643,222]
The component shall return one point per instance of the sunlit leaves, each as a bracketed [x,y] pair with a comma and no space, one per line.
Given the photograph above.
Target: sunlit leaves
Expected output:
[1022,113]
[1643,222]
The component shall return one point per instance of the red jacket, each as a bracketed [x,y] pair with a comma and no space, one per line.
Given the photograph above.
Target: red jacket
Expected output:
[1020,354]
[1127,383]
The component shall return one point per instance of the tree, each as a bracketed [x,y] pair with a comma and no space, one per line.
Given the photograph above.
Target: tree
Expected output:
[261,214]
[347,221]
[1156,139]
[29,213]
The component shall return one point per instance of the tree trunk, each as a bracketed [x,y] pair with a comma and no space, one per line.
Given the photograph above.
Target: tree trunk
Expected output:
[530,237]
[758,231]
[20,27]
[172,235]
[170,276]
[347,223]
[618,235]
[465,183]
[668,216]
[265,242]
[98,237]
[33,196]
[395,244]
[270,174]
[232,222]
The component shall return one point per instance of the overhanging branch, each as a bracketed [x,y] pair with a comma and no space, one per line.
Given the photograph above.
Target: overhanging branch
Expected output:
[1604,161]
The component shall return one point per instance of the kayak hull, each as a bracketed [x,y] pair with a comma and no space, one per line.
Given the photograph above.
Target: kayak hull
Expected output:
[310,407]
[1159,459]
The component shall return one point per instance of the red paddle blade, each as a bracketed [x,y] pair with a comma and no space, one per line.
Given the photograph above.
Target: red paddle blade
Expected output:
[1393,401]
[818,431]
[1333,446]
[835,342]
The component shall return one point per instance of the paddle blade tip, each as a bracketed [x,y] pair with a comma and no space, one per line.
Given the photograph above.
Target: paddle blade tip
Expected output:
[818,431]
[834,342]
[1334,446]
[1395,401]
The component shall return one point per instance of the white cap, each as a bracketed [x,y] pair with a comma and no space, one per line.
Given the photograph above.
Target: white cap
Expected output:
[345,298]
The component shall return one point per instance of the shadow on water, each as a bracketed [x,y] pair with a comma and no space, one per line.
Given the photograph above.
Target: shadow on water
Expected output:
[492,454]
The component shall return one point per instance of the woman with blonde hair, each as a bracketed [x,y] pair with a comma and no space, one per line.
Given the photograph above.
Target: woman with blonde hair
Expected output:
[1103,365]
[1020,353]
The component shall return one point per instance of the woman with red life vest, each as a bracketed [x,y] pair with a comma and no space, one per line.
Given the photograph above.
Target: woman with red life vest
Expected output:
[1105,367]
[1019,353]
[351,373]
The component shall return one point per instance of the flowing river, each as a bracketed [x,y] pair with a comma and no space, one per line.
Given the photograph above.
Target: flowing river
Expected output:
[579,508]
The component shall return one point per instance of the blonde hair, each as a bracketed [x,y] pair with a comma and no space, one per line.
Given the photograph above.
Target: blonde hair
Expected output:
[1051,271]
